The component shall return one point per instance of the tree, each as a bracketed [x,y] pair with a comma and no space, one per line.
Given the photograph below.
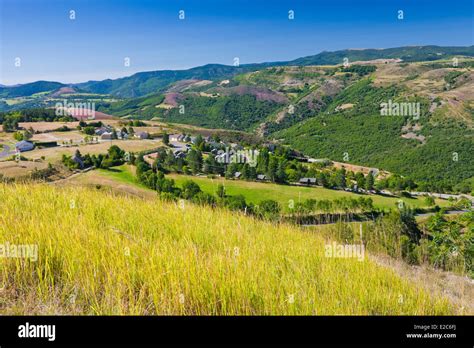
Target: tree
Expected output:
[231,169]
[200,143]
[245,171]
[269,209]
[190,189]
[115,152]
[341,178]
[323,179]
[369,181]
[10,122]
[235,202]
[166,139]
[360,180]
[194,159]
[203,198]
[18,136]
[220,191]
[429,201]
[272,168]
[89,130]
[280,175]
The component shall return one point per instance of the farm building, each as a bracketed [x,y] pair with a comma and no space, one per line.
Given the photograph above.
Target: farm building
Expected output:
[107,136]
[177,137]
[77,158]
[102,130]
[142,135]
[308,181]
[24,145]
[179,154]
[121,135]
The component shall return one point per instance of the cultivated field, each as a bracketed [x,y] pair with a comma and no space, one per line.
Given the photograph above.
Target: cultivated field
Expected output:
[99,253]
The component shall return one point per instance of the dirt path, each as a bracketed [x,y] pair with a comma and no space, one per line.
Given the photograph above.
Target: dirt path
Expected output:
[459,290]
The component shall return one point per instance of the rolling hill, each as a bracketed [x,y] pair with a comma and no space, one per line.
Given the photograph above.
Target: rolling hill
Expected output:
[320,106]
[144,83]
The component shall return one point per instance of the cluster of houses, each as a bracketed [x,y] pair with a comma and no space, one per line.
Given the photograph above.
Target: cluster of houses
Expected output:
[260,177]
[104,133]
[108,133]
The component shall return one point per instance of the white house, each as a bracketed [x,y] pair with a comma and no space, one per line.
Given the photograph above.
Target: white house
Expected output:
[142,135]
[107,136]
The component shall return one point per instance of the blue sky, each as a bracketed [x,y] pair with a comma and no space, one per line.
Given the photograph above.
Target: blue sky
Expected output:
[94,46]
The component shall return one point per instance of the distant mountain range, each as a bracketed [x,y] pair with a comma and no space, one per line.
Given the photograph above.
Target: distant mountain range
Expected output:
[144,83]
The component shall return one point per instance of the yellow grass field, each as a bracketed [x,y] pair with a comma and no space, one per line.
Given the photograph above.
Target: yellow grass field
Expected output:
[100,253]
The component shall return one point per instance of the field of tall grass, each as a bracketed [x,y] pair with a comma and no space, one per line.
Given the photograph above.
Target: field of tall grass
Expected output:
[102,253]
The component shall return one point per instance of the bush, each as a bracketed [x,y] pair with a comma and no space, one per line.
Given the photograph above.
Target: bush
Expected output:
[269,209]
[168,197]
[235,202]
[203,198]
[89,130]
[190,189]
[409,250]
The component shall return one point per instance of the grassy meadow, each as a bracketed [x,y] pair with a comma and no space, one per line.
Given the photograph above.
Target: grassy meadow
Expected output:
[100,253]
[255,192]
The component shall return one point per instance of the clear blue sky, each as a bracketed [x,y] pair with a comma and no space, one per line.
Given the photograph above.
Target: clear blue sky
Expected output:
[93,46]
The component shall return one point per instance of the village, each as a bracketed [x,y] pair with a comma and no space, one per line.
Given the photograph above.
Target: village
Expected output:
[228,159]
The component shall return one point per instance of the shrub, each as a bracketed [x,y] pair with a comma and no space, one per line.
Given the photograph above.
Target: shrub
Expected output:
[190,189]
[269,209]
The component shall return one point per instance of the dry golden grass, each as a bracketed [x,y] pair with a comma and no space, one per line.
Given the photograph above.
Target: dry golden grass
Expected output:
[101,253]
[48,126]
[13,169]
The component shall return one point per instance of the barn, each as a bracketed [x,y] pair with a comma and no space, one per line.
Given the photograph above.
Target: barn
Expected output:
[24,145]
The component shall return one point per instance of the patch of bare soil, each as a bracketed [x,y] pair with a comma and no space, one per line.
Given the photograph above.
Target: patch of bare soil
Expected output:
[412,135]
[457,289]
[95,179]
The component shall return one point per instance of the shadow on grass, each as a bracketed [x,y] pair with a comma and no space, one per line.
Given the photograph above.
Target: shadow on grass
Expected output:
[114,170]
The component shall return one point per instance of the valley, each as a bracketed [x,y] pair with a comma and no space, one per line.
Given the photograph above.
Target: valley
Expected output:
[329,167]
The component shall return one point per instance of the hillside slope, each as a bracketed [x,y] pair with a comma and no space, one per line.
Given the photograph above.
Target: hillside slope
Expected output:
[106,254]
[143,83]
